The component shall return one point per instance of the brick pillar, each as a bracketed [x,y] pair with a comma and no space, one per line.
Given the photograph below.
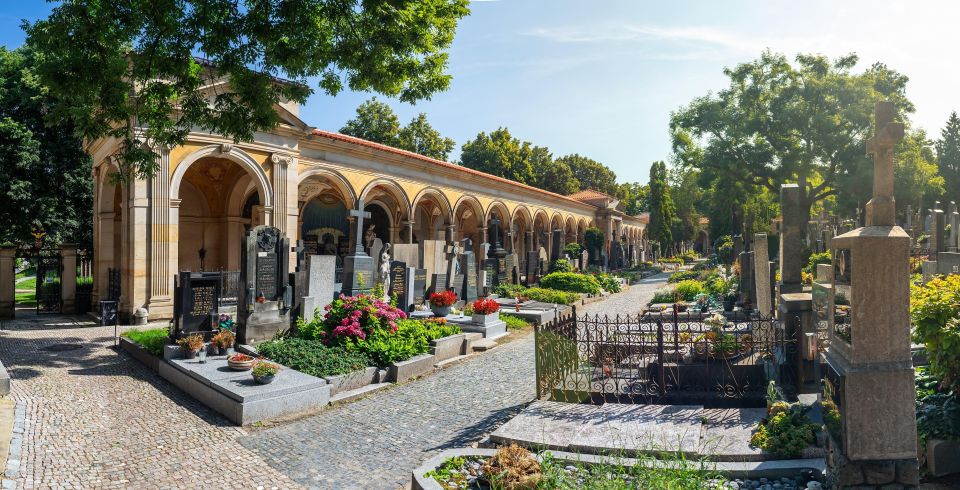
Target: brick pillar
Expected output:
[68,278]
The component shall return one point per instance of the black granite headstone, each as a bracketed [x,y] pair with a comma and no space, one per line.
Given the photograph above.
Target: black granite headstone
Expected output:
[266,293]
[468,287]
[419,286]
[196,298]
[532,264]
[399,279]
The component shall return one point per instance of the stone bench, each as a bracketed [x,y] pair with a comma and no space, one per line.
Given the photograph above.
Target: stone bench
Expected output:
[235,394]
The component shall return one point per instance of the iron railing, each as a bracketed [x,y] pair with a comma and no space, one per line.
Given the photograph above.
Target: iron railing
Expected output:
[663,358]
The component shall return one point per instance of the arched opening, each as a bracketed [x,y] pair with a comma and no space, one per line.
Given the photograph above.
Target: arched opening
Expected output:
[468,219]
[219,202]
[387,205]
[522,236]
[431,214]
[108,241]
[324,201]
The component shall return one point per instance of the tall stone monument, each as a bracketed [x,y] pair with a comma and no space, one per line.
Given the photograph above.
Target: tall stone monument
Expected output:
[266,295]
[791,240]
[870,366]
[761,258]
[359,268]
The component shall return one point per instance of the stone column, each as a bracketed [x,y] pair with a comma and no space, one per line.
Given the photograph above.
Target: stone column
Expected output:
[409,226]
[135,255]
[790,240]
[160,302]
[761,274]
[68,278]
[8,259]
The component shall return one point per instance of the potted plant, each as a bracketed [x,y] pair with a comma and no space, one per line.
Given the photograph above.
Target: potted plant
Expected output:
[190,345]
[264,371]
[441,302]
[240,362]
[224,341]
[485,311]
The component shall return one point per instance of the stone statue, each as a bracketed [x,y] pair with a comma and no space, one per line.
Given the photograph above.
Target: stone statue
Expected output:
[329,248]
[385,271]
[370,236]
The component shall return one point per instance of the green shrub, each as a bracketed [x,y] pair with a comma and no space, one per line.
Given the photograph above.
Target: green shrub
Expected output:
[312,357]
[724,249]
[544,295]
[573,250]
[411,338]
[815,259]
[571,281]
[509,290]
[609,283]
[689,289]
[514,322]
[786,433]
[663,296]
[152,340]
[935,314]
[561,265]
[683,276]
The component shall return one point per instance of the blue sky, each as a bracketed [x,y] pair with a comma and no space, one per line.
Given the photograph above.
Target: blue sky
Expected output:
[600,78]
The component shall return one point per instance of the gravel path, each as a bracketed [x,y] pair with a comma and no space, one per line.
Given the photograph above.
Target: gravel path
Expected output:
[376,442]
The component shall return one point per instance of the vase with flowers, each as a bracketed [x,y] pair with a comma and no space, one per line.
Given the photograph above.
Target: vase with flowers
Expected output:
[441,302]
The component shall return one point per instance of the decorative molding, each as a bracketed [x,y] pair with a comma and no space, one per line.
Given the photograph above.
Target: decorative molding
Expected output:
[281,158]
[226,148]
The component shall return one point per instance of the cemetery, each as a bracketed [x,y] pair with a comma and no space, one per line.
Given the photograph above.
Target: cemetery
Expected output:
[200,288]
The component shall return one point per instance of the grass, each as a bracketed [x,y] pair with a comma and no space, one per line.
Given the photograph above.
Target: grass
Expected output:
[29,271]
[152,340]
[673,472]
[26,299]
[28,284]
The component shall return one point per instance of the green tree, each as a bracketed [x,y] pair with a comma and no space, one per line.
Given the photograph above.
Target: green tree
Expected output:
[375,121]
[591,174]
[419,137]
[44,171]
[117,66]
[555,176]
[685,193]
[805,123]
[915,175]
[594,240]
[500,154]
[635,198]
[948,154]
[661,207]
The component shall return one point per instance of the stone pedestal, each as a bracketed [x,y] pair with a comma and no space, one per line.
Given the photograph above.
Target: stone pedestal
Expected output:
[7,287]
[871,366]
[68,279]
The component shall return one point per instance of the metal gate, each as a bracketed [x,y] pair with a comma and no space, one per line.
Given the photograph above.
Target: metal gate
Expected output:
[49,285]
[662,358]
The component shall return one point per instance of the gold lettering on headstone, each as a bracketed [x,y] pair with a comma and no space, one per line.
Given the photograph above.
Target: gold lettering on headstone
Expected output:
[203,297]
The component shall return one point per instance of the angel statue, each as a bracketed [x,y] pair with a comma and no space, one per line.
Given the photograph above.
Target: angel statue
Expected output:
[385,271]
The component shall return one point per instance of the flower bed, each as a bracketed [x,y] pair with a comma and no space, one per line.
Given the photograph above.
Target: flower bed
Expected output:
[151,340]
[312,357]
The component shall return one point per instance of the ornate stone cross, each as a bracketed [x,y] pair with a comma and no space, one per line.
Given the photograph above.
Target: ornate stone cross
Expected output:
[359,214]
[881,210]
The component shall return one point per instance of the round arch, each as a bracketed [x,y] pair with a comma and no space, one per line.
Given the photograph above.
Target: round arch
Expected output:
[391,187]
[233,154]
[333,177]
[469,201]
[438,196]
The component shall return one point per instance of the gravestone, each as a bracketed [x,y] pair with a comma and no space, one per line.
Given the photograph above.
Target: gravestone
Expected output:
[761,271]
[936,234]
[375,250]
[265,305]
[452,253]
[954,223]
[408,253]
[196,300]
[491,268]
[511,269]
[871,366]
[401,284]
[556,245]
[321,284]
[533,264]
[823,297]
[748,288]
[584,260]
[359,269]
[791,247]
[468,290]
[419,286]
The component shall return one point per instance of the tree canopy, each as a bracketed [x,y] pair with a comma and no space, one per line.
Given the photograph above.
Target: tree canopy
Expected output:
[591,174]
[44,172]
[113,69]
[376,121]
[661,207]
[948,154]
[779,122]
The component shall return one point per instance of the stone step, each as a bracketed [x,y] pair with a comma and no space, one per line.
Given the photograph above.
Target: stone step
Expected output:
[451,361]
[351,395]
[484,345]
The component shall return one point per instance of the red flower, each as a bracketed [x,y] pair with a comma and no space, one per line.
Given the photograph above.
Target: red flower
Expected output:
[485,306]
[443,298]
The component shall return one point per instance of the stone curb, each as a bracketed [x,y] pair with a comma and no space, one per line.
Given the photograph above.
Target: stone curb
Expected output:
[16,446]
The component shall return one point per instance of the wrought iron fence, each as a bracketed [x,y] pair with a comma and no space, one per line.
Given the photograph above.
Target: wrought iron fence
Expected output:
[663,358]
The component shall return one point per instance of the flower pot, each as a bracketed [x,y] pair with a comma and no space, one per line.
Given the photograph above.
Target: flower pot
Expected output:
[264,380]
[240,365]
[485,319]
[189,354]
[728,304]
[440,310]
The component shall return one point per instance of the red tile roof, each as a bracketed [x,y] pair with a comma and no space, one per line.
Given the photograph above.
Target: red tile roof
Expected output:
[410,154]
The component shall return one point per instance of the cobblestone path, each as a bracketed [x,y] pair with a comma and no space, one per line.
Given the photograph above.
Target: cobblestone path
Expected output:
[96,418]
[375,443]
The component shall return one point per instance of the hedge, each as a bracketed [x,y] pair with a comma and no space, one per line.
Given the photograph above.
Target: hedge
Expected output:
[570,281]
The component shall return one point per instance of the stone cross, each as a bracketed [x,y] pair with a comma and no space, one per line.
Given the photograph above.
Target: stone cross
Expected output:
[453,251]
[359,214]
[881,210]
